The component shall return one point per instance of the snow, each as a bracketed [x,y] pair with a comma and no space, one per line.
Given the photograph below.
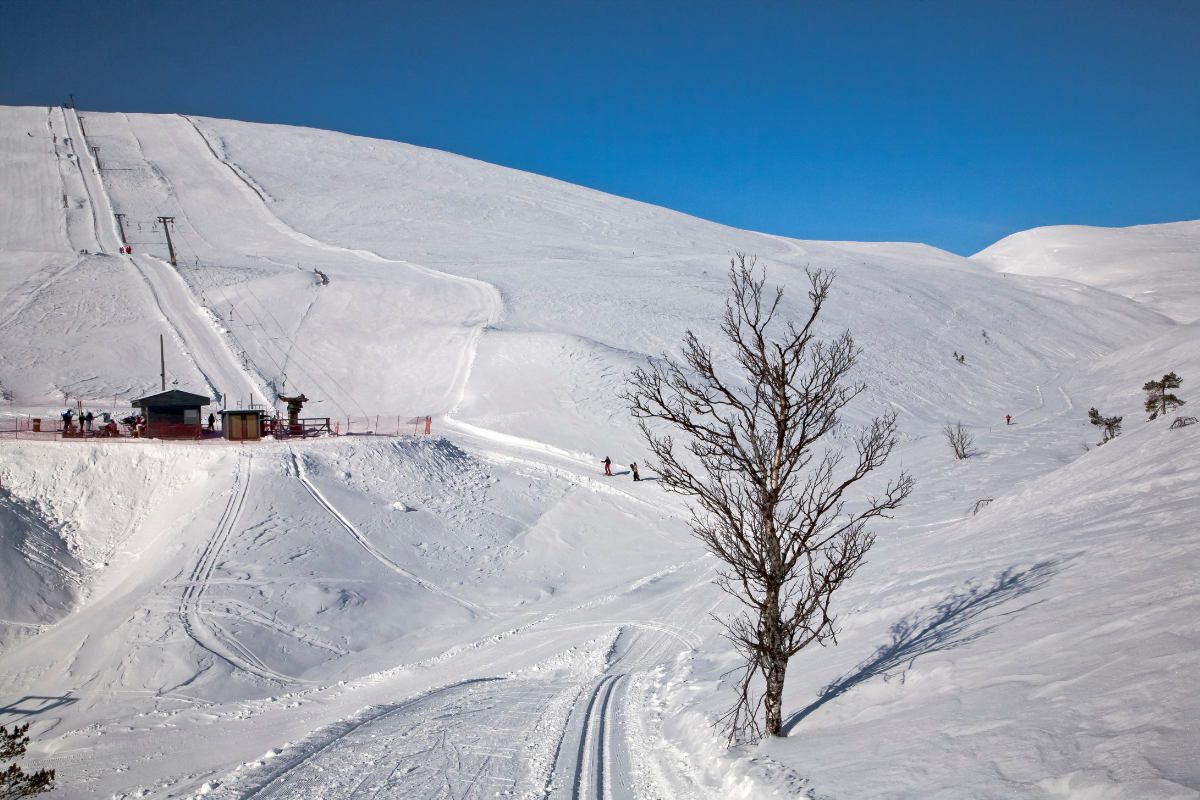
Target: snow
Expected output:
[1154,264]
[482,612]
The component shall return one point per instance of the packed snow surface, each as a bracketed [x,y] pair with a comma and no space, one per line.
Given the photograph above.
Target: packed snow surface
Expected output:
[481,612]
[1157,265]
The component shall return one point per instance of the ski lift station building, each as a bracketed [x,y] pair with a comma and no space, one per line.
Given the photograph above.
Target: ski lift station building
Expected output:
[173,414]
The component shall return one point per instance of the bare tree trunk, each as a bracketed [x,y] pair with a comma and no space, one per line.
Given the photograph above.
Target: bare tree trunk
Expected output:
[775,668]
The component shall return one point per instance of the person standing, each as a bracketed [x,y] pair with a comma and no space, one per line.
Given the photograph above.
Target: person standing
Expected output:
[633,467]
[88,421]
[607,462]
[212,420]
[1008,419]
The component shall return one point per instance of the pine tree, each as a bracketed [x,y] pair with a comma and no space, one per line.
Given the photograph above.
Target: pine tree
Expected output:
[1111,425]
[1158,397]
[14,781]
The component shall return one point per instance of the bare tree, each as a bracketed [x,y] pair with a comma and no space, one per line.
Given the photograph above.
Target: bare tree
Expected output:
[960,438]
[773,511]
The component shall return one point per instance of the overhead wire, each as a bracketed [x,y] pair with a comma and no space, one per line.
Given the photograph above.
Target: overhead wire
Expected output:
[261,345]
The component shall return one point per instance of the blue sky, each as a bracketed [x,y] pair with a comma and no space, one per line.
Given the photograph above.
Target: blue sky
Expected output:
[951,123]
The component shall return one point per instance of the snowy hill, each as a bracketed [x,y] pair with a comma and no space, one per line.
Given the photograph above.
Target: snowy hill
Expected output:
[362,614]
[1156,265]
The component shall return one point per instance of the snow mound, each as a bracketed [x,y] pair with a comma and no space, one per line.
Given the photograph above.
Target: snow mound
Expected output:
[1158,265]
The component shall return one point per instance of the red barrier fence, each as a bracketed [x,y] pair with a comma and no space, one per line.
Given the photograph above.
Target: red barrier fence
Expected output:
[382,425]
[29,427]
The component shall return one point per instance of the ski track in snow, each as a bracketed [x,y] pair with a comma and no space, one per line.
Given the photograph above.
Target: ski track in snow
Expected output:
[586,664]
[375,552]
[201,626]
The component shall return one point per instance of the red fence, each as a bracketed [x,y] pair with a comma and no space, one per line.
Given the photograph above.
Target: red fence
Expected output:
[29,427]
[383,426]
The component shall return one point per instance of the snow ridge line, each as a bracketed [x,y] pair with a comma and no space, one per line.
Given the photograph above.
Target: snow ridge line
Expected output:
[223,161]
[375,552]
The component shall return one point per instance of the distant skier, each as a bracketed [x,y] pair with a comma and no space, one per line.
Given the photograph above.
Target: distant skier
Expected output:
[633,467]
[66,418]
[211,422]
[88,420]
[1008,419]
[607,465]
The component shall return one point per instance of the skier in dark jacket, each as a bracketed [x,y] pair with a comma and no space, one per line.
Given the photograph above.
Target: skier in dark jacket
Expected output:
[607,465]
[88,419]
[212,420]
[633,467]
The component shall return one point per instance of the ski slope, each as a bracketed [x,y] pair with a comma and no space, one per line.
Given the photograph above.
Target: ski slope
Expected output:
[482,613]
[1153,264]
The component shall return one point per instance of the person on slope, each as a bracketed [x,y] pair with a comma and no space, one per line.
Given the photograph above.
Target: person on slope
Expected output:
[1008,419]
[88,420]
[633,467]
[607,462]
[66,418]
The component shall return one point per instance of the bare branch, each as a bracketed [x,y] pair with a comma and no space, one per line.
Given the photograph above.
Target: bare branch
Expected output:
[769,507]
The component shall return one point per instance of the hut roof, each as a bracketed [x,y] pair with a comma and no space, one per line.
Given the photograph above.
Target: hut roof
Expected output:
[172,399]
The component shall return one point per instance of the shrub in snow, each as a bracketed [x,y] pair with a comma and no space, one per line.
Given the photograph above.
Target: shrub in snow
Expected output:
[1110,425]
[1159,399]
[960,438]
[1183,422]
[764,505]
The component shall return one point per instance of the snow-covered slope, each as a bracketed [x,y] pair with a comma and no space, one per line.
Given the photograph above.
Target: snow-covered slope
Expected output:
[1158,265]
[363,614]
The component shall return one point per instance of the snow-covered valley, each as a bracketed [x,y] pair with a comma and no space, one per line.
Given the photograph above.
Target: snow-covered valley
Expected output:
[481,612]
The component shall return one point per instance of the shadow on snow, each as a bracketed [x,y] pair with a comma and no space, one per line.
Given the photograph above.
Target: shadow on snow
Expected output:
[945,627]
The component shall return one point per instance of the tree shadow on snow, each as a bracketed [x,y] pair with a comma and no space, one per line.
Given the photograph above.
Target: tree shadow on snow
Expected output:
[945,627]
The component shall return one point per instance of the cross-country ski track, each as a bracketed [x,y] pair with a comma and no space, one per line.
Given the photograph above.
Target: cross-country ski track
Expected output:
[482,612]
[461,759]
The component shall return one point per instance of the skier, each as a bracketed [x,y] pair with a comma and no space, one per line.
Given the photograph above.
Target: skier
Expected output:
[607,465]
[633,467]
[66,418]
[1008,419]
[212,420]
[88,419]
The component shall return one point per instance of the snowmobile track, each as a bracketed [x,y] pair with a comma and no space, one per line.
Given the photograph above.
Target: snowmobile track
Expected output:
[205,632]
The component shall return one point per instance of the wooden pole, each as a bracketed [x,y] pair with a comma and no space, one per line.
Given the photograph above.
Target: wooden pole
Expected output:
[162,362]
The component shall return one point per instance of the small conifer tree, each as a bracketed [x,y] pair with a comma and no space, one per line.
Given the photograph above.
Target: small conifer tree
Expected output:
[14,781]
[1110,425]
[1159,399]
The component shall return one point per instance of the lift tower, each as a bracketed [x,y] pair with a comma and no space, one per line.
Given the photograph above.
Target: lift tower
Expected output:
[167,230]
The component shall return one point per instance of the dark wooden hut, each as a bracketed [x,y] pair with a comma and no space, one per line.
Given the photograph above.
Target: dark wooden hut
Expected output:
[173,414]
